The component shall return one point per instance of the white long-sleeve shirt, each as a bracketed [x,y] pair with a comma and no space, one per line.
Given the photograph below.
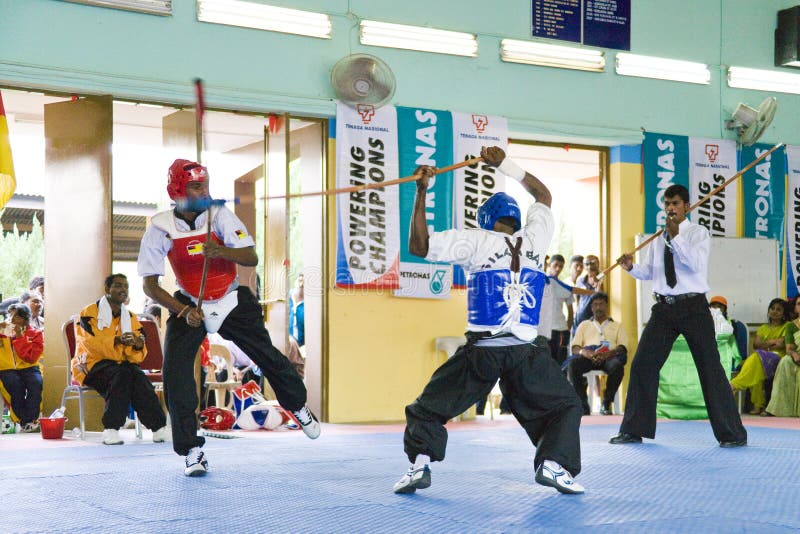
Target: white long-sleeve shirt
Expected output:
[690,250]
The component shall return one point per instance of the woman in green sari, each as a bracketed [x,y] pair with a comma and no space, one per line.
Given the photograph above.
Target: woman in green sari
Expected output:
[770,345]
[785,400]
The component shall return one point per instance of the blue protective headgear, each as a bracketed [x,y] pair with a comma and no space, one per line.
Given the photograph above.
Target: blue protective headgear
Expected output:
[497,206]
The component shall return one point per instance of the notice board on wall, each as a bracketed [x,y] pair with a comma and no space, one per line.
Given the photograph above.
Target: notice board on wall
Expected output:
[746,271]
[601,23]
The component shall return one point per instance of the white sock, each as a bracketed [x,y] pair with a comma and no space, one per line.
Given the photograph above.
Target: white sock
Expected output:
[421,461]
[550,464]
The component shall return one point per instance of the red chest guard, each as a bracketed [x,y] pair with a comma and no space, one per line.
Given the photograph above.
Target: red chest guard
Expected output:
[186,258]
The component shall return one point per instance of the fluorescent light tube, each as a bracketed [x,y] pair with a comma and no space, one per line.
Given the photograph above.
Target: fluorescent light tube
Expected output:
[418,38]
[764,80]
[662,68]
[547,55]
[264,17]
[151,7]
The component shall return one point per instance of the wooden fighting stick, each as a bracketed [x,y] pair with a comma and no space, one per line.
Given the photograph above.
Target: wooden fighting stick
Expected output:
[199,112]
[379,185]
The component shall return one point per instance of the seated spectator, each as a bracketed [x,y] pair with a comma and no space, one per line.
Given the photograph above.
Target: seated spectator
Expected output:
[21,348]
[785,401]
[35,303]
[600,343]
[561,299]
[36,285]
[110,345]
[770,345]
[724,325]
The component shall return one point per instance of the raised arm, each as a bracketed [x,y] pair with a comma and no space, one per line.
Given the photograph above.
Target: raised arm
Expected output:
[418,236]
[496,157]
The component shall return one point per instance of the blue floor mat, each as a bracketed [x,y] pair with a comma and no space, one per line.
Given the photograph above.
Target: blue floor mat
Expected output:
[681,482]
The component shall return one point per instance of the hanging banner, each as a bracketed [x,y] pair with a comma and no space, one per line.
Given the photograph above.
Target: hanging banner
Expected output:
[711,162]
[425,137]
[473,185]
[666,162]
[764,195]
[368,248]
[793,221]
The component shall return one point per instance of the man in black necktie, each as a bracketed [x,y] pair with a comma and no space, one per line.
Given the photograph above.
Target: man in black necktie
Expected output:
[677,263]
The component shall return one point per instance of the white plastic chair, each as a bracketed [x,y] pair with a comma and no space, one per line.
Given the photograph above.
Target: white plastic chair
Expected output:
[220,388]
[595,401]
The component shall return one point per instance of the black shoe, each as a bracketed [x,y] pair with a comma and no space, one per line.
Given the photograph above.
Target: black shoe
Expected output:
[733,444]
[606,411]
[624,437]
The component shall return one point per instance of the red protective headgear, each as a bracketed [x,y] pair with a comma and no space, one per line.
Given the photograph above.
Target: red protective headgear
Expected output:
[181,172]
[214,418]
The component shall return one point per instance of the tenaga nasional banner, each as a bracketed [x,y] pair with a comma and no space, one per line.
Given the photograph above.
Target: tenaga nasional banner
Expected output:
[425,137]
[368,248]
[666,162]
[793,221]
[764,192]
[474,184]
[711,162]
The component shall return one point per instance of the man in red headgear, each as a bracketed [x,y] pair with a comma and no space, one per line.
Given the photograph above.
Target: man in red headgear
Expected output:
[179,235]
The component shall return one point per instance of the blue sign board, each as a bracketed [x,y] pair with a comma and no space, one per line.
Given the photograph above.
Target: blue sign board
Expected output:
[557,19]
[607,24]
[601,23]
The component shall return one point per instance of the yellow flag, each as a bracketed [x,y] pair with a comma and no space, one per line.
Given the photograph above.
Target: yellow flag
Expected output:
[7,181]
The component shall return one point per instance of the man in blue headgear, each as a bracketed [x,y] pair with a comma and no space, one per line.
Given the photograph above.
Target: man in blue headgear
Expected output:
[504,261]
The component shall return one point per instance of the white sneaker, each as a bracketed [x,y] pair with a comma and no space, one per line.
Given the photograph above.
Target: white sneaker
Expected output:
[307,421]
[551,473]
[196,463]
[414,479]
[111,437]
[161,435]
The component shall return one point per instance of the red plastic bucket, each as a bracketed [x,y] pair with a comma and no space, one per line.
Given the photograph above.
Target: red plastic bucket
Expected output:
[52,428]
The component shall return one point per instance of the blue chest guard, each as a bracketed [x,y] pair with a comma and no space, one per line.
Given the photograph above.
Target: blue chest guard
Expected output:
[495,300]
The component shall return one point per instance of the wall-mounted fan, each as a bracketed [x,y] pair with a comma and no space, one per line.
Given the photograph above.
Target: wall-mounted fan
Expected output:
[750,123]
[362,79]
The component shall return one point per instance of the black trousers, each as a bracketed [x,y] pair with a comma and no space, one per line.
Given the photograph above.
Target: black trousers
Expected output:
[559,342]
[122,385]
[691,318]
[245,327]
[24,386]
[539,396]
[614,367]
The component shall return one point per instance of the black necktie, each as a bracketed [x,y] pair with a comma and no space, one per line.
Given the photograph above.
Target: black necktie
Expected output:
[669,262]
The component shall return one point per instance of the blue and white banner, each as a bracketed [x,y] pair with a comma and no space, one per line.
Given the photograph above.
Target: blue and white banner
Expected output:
[764,192]
[474,184]
[425,137]
[711,162]
[666,162]
[368,248]
[793,221]
[375,145]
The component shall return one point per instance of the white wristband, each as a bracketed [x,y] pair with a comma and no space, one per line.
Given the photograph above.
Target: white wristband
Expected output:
[509,168]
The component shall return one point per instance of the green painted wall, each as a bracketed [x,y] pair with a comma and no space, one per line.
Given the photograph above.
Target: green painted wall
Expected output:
[63,46]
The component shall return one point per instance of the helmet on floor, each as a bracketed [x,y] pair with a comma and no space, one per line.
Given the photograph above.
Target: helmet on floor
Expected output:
[181,172]
[214,418]
[496,207]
